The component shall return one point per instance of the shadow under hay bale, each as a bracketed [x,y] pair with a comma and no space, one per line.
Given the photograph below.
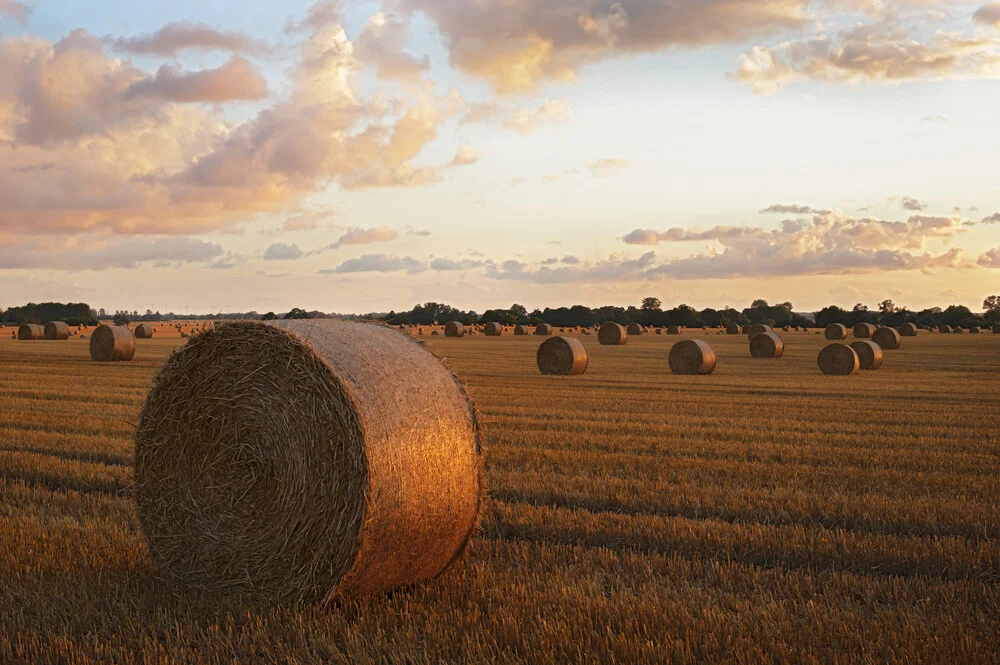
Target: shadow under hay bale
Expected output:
[838,360]
[454,329]
[563,356]
[692,357]
[864,330]
[113,344]
[56,330]
[869,354]
[368,480]
[887,338]
[612,334]
[836,331]
[767,345]
[30,331]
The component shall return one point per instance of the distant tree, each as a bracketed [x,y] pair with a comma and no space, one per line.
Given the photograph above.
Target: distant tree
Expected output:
[297,313]
[860,307]
[787,306]
[992,304]
[102,313]
[759,304]
[270,316]
[651,304]
[121,319]
[887,306]
[519,311]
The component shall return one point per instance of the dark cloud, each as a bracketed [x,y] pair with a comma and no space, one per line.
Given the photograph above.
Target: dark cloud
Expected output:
[282,252]
[386,263]
[235,80]
[907,203]
[793,209]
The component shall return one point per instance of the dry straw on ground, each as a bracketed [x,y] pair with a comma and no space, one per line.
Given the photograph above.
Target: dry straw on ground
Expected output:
[454,329]
[869,354]
[908,330]
[691,357]
[544,329]
[113,343]
[612,334]
[864,330]
[493,329]
[767,345]
[144,331]
[563,356]
[635,329]
[758,329]
[306,460]
[836,331]
[887,338]
[30,331]
[56,330]
[839,360]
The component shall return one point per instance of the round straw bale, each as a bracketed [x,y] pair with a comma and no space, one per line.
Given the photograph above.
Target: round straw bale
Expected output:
[543,329]
[975,330]
[887,338]
[673,330]
[56,330]
[732,329]
[766,345]
[493,329]
[659,331]
[30,331]
[996,328]
[692,356]
[454,329]
[521,330]
[908,330]
[113,343]
[836,331]
[612,334]
[758,329]
[635,329]
[945,329]
[958,330]
[144,331]
[306,460]
[864,330]
[869,354]
[839,360]
[564,356]
[745,330]
[787,328]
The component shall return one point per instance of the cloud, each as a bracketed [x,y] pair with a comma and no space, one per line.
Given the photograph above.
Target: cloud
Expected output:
[988,15]
[179,36]
[521,119]
[307,220]
[466,156]
[381,42]
[779,209]
[378,263]
[370,236]
[990,259]
[235,80]
[992,219]
[320,15]
[570,260]
[607,166]
[227,261]
[19,11]
[907,203]
[551,261]
[107,253]
[447,265]
[420,233]
[282,252]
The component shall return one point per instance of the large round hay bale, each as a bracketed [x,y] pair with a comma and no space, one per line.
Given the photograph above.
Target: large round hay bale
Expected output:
[732,329]
[521,330]
[306,460]
[836,331]
[869,354]
[944,329]
[758,329]
[691,357]
[839,360]
[635,329]
[564,356]
[454,329]
[30,331]
[493,329]
[887,338]
[144,331]
[543,329]
[56,330]
[908,330]
[113,343]
[975,330]
[864,330]
[612,334]
[766,345]
[673,330]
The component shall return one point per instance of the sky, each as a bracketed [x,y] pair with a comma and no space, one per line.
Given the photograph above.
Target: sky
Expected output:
[368,156]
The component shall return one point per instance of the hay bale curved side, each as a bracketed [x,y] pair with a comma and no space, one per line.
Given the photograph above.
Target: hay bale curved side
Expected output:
[870,354]
[975,330]
[767,345]
[908,330]
[758,329]
[692,357]
[673,330]
[732,329]
[521,330]
[887,338]
[56,330]
[144,331]
[30,331]
[635,329]
[493,329]
[612,334]
[302,460]
[838,360]
[836,331]
[563,356]
[454,329]
[113,344]
[864,330]
[544,330]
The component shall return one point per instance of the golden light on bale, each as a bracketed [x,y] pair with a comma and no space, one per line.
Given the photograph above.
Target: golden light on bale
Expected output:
[144,331]
[301,471]
[836,331]
[521,330]
[839,360]
[908,330]
[634,329]
[767,345]
[869,354]
[30,331]
[493,329]
[612,334]
[56,330]
[454,329]
[864,330]
[945,329]
[733,329]
[563,356]
[758,329]
[691,357]
[887,338]
[113,344]
[543,330]
[673,330]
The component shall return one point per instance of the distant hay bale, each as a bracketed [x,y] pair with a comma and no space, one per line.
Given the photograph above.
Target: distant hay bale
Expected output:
[420,331]
[144,331]
[659,331]
[673,330]
[839,360]
[908,330]
[869,354]
[758,329]
[493,329]
[543,330]
[435,333]
[958,330]
[887,338]
[996,328]
[787,328]
[836,331]
[745,330]
[733,329]
[944,329]
[521,330]
[767,345]
[612,334]
[454,329]
[975,330]
[864,330]
[56,330]
[563,356]
[635,329]
[113,344]
[692,357]
[30,331]
[368,481]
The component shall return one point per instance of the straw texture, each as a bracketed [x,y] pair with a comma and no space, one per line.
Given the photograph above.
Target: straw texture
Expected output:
[612,334]
[563,356]
[692,357]
[839,360]
[113,344]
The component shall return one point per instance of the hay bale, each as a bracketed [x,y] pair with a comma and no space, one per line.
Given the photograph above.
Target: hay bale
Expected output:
[996,328]
[612,334]
[786,328]
[839,360]
[493,329]
[869,354]
[113,344]
[563,356]
[836,331]
[543,330]
[692,357]
[975,330]
[958,330]
[945,329]
[56,330]
[635,329]
[30,331]
[454,329]
[758,329]
[521,330]
[144,331]
[659,331]
[908,330]
[864,330]
[733,329]
[368,481]
[435,333]
[673,330]
[887,338]
[766,345]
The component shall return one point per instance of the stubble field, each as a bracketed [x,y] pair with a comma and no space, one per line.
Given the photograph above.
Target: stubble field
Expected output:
[765,513]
